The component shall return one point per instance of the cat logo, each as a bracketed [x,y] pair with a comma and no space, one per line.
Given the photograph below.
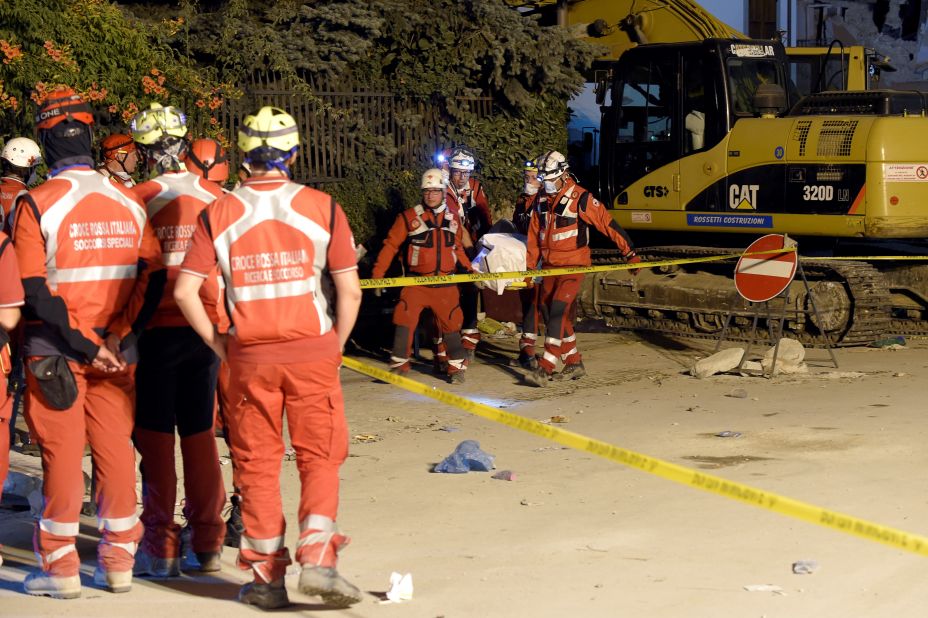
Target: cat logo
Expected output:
[743,197]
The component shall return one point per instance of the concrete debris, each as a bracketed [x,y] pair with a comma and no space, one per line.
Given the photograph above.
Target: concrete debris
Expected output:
[805,567]
[859,26]
[504,475]
[842,375]
[720,362]
[789,358]
[738,393]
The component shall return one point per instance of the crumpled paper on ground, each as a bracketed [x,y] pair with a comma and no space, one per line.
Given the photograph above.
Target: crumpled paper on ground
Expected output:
[400,588]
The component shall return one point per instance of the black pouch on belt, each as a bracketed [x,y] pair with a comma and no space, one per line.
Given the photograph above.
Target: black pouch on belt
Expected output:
[56,381]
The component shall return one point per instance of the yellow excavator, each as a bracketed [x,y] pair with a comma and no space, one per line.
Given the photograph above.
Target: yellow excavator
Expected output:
[706,142]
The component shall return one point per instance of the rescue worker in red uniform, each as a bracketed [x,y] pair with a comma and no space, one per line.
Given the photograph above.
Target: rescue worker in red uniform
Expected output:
[92,274]
[177,371]
[280,247]
[207,158]
[467,199]
[433,236]
[558,235]
[18,161]
[120,158]
[526,204]
[19,158]
[11,299]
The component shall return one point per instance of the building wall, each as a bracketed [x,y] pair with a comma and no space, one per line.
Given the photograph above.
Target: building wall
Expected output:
[904,41]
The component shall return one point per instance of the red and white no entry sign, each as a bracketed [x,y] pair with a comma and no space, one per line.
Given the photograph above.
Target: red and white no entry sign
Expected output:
[765,270]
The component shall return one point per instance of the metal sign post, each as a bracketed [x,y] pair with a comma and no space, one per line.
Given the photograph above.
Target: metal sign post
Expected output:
[764,272]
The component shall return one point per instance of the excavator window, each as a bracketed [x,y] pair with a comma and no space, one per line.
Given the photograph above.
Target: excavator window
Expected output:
[648,129]
[696,104]
[812,74]
[744,76]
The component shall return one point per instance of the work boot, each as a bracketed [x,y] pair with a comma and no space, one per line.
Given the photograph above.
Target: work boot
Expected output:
[235,527]
[147,565]
[456,378]
[528,361]
[335,590]
[469,355]
[208,561]
[439,367]
[537,377]
[265,596]
[114,581]
[574,371]
[42,584]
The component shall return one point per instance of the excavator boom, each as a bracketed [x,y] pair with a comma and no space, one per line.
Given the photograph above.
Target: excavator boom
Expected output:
[622,24]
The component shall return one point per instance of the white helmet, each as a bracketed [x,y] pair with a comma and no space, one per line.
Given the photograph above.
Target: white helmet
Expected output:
[432,179]
[551,165]
[462,160]
[22,152]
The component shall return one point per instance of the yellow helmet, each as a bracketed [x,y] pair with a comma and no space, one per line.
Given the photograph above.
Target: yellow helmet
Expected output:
[150,125]
[270,128]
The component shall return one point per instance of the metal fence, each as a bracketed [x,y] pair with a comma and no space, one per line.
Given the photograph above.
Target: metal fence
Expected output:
[337,120]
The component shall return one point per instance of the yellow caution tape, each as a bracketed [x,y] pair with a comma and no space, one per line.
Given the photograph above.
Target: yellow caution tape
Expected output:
[396,282]
[866,258]
[672,472]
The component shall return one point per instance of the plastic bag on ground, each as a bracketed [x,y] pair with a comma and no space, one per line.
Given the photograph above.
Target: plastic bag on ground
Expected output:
[467,457]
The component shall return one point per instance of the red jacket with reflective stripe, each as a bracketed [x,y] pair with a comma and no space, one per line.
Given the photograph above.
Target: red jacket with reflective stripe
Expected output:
[559,228]
[274,240]
[174,201]
[88,259]
[434,242]
[10,189]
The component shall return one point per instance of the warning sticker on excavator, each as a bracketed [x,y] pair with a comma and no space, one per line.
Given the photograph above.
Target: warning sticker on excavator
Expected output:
[905,172]
[641,217]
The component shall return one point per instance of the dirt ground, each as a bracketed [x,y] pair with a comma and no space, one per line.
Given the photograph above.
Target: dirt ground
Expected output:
[576,535]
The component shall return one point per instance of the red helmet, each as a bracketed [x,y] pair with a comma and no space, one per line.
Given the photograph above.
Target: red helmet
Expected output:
[115,145]
[62,104]
[207,158]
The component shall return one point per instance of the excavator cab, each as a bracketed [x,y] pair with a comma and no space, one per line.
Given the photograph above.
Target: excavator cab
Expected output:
[669,102]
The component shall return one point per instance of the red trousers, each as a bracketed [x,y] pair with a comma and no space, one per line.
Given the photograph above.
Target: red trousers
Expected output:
[257,395]
[102,416]
[444,302]
[6,414]
[558,295]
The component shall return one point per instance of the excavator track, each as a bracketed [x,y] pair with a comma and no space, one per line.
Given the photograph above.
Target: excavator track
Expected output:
[853,302]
